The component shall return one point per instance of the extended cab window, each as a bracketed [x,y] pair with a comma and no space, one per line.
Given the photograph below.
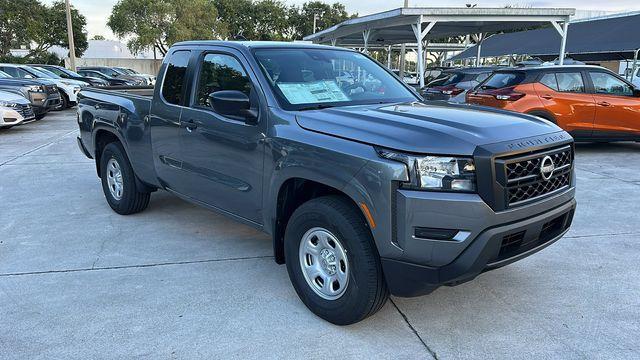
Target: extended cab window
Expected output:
[608,84]
[221,72]
[570,82]
[174,77]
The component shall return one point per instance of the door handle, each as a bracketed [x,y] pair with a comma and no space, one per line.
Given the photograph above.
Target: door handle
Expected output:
[604,103]
[189,125]
[547,97]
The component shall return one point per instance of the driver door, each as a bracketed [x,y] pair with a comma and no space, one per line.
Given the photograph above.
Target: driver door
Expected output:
[223,155]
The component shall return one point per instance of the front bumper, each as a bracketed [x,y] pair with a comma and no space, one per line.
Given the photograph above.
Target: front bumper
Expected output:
[43,102]
[485,240]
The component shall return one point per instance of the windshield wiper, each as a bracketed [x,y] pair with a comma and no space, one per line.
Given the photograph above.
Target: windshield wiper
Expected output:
[316,107]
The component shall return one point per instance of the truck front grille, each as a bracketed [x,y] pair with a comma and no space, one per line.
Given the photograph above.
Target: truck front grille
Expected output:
[529,177]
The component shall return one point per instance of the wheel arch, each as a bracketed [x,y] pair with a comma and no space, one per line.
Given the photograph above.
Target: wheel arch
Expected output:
[295,191]
[543,113]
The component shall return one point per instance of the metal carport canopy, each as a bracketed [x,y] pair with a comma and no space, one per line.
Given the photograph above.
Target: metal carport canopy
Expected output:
[414,24]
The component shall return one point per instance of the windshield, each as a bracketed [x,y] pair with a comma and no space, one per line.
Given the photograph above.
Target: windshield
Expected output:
[35,72]
[49,74]
[314,78]
[453,79]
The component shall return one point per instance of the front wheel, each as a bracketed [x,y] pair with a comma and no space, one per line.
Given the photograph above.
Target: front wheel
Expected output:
[119,183]
[332,261]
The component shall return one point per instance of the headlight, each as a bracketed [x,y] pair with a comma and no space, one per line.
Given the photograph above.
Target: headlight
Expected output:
[36,88]
[8,104]
[436,173]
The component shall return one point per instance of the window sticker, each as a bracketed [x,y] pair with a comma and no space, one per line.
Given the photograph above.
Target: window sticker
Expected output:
[312,92]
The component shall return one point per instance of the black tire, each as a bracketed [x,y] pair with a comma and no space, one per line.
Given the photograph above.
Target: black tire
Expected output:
[131,200]
[41,116]
[366,291]
[65,100]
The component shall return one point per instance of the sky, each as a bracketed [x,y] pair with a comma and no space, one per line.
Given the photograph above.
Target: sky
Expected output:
[97,12]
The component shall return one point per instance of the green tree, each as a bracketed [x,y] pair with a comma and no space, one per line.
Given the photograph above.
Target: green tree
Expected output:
[53,30]
[160,23]
[38,27]
[301,18]
[19,21]
[98,37]
[253,20]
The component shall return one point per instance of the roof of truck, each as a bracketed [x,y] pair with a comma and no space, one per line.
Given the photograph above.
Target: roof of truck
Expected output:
[256,44]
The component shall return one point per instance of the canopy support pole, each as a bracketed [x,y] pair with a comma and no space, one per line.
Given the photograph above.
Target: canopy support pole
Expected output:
[365,35]
[563,31]
[420,35]
[389,56]
[635,64]
[480,38]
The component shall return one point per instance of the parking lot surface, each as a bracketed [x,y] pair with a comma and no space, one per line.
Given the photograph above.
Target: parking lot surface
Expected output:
[78,281]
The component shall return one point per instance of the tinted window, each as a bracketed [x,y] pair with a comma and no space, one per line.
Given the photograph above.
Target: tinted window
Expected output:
[56,71]
[549,80]
[503,79]
[482,77]
[13,72]
[570,82]
[174,77]
[221,72]
[608,84]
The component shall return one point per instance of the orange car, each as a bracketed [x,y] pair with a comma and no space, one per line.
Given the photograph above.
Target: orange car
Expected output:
[589,102]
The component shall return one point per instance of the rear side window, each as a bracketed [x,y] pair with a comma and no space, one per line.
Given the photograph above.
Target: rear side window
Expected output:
[503,79]
[570,82]
[174,77]
[550,81]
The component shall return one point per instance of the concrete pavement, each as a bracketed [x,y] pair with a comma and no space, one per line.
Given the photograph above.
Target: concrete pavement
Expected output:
[78,281]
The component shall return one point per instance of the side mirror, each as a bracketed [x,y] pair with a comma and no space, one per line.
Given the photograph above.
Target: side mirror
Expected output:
[28,76]
[636,92]
[233,103]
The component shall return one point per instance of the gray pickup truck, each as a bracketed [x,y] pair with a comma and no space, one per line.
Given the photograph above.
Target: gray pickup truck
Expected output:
[365,189]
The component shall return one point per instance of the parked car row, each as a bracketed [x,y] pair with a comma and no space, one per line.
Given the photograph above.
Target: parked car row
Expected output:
[590,102]
[28,92]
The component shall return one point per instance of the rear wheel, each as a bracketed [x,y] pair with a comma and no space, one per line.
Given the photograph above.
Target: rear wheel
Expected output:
[119,183]
[332,261]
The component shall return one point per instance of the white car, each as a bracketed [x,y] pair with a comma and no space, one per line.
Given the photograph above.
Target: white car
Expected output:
[68,88]
[636,77]
[14,110]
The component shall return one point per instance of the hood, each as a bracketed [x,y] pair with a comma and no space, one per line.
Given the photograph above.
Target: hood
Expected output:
[12,97]
[425,128]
